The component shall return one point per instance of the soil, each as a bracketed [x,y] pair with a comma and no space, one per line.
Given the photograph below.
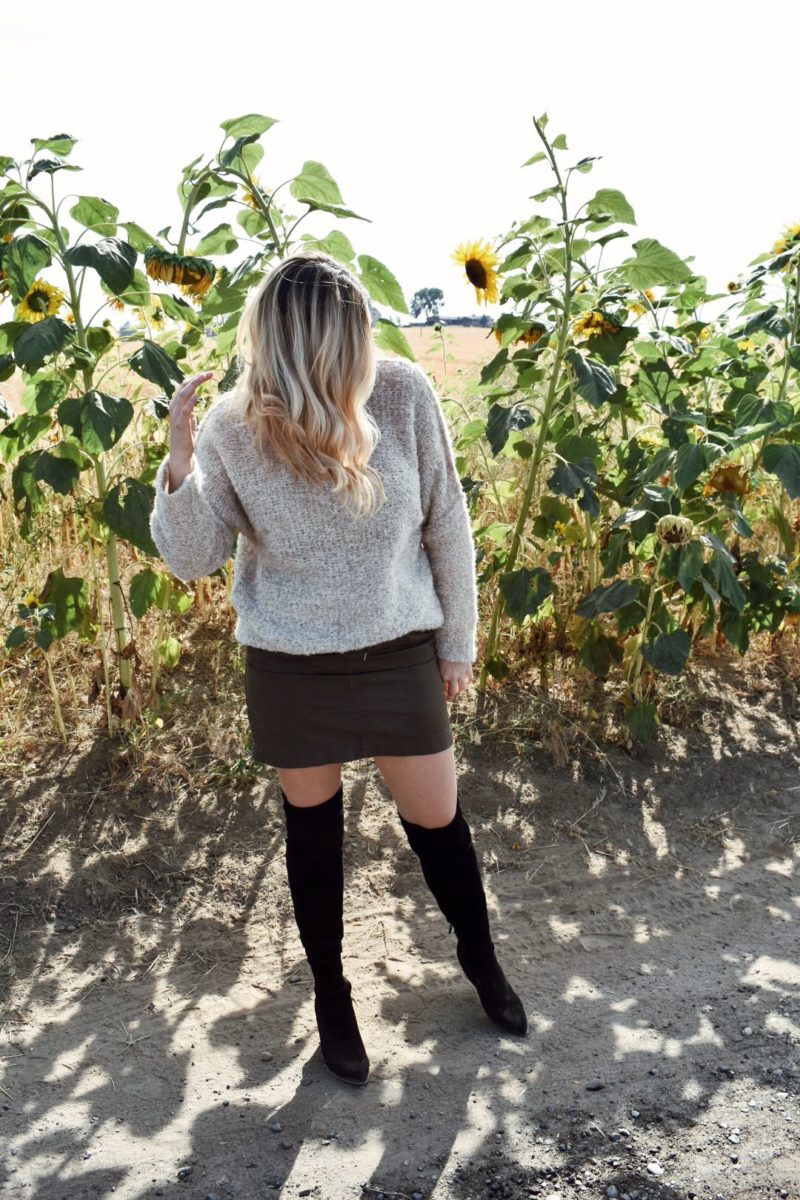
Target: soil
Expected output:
[157,1033]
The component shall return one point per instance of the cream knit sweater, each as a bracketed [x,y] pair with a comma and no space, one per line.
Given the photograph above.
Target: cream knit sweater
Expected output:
[309,577]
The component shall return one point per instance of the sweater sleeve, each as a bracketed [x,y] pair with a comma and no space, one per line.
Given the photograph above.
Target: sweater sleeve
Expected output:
[447,527]
[195,526]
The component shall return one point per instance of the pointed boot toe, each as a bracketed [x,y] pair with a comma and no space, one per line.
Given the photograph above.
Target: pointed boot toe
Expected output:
[499,1000]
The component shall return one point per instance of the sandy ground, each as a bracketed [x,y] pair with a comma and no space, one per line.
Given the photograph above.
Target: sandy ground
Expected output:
[157,1033]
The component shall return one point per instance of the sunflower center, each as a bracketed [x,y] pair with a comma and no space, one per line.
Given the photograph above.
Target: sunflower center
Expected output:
[476,272]
[38,301]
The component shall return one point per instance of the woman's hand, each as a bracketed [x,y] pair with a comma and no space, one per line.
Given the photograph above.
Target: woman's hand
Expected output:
[456,675]
[183,428]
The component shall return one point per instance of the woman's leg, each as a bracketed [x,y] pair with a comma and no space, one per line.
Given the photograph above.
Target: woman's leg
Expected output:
[314,866]
[424,788]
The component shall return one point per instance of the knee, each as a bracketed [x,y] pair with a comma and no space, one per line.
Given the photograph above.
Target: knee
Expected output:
[436,839]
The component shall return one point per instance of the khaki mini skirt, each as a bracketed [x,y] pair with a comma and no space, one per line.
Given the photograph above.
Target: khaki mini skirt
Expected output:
[308,709]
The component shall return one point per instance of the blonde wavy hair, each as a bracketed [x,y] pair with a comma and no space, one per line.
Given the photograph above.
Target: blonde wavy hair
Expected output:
[307,367]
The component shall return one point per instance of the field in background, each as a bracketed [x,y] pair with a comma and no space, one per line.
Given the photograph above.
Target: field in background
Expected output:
[467,348]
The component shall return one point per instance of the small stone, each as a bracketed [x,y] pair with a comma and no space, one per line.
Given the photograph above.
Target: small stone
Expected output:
[416,1196]
[748,1031]
[612,1192]
[266,1056]
[635,1112]
[185,1172]
[733,1137]
[595,1086]
[655,1168]
[276,1127]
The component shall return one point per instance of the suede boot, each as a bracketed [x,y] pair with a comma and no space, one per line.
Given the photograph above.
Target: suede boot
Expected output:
[452,872]
[314,866]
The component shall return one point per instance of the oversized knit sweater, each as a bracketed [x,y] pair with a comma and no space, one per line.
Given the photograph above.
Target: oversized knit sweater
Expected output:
[310,577]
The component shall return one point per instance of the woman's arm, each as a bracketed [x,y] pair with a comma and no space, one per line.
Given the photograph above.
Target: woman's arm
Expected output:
[194,524]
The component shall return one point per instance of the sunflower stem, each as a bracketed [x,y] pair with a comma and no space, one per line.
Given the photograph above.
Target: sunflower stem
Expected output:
[544,426]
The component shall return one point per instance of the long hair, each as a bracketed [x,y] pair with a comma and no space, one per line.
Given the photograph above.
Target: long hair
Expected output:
[307,368]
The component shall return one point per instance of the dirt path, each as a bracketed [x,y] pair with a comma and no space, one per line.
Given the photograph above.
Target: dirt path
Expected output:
[157,1033]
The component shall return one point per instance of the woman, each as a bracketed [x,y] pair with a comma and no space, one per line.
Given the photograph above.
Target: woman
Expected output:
[356,602]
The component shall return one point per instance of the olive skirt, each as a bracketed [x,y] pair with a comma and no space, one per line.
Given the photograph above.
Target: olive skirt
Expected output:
[308,709]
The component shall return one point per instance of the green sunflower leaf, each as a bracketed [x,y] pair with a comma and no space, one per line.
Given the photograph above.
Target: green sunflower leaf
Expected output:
[381,283]
[608,202]
[113,259]
[389,336]
[24,258]
[653,264]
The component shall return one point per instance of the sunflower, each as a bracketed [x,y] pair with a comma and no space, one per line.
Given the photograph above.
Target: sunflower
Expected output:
[728,477]
[791,235]
[42,300]
[673,530]
[249,195]
[115,302]
[479,262]
[195,275]
[529,337]
[593,323]
[638,308]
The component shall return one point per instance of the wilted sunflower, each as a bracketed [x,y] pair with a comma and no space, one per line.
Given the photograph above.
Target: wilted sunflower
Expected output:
[791,235]
[479,262]
[728,477]
[115,302]
[593,323]
[733,287]
[649,437]
[674,531]
[42,300]
[194,274]
[529,337]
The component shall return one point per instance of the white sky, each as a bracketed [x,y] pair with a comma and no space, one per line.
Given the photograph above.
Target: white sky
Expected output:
[422,114]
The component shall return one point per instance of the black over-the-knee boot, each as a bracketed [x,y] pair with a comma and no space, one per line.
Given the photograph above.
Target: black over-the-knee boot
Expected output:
[314,844]
[452,872]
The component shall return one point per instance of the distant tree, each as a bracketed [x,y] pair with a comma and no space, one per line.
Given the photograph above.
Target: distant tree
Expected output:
[427,300]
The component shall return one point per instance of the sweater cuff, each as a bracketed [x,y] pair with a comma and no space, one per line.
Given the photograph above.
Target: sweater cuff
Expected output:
[455,647]
[180,504]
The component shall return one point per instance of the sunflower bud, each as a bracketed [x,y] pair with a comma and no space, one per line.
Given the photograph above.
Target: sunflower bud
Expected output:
[674,531]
